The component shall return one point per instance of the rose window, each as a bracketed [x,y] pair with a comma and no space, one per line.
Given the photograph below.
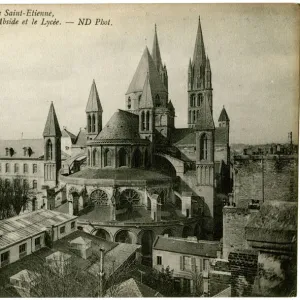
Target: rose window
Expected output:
[129,197]
[99,197]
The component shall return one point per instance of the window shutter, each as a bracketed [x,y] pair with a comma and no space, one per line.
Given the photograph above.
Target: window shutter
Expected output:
[193,264]
[181,263]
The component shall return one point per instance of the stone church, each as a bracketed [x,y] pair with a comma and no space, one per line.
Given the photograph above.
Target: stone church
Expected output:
[139,176]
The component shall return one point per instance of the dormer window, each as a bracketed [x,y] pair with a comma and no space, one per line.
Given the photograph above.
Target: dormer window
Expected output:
[25,151]
[9,151]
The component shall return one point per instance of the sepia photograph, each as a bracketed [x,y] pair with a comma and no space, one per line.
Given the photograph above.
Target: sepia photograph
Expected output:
[149,150]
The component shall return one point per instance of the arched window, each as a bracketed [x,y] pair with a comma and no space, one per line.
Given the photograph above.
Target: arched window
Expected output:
[7,168]
[137,159]
[129,103]
[192,100]
[203,147]
[198,114]
[147,120]
[25,168]
[34,168]
[49,150]
[107,158]
[194,116]
[157,101]
[93,123]
[94,157]
[89,124]
[16,168]
[140,97]
[143,123]
[122,157]
[190,116]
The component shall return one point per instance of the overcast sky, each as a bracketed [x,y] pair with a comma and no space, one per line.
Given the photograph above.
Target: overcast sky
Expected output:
[253,51]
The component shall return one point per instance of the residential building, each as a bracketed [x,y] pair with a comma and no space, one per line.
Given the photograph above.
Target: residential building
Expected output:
[189,258]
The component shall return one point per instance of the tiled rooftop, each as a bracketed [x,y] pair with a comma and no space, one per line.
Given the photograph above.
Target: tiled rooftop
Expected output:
[184,246]
[26,225]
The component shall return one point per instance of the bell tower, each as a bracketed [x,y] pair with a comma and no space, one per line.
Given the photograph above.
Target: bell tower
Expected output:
[93,113]
[52,148]
[199,80]
[205,148]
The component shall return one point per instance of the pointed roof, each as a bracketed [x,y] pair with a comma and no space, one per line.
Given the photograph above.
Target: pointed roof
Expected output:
[52,126]
[147,99]
[94,103]
[146,65]
[199,50]
[207,65]
[190,65]
[67,133]
[205,120]
[170,105]
[156,52]
[223,116]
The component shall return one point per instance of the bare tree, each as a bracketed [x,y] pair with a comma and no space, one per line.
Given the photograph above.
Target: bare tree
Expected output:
[14,195]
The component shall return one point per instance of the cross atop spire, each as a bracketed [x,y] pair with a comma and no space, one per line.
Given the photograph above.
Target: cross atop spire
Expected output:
[156,51]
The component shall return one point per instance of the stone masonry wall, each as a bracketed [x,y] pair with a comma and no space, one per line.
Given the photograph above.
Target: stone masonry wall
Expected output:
[243,267]
[280,179]
[234,223]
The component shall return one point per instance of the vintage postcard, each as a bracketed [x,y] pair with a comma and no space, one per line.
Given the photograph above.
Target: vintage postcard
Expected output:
[149,150]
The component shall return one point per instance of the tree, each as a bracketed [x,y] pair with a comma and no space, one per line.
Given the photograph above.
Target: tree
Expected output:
[162,281]
[14,195]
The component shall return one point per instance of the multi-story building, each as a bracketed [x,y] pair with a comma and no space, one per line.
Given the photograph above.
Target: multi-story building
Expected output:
[189,259]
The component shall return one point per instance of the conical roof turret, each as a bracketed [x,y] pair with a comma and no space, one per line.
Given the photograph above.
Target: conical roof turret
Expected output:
[93,104]
[52,126]
[223,116]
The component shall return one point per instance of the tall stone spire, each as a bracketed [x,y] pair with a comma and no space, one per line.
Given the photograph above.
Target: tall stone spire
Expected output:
[52,127]
[162,69]
[199,50]
[156,52]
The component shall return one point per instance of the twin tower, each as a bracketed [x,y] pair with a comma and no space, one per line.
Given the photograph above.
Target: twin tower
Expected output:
[147,94]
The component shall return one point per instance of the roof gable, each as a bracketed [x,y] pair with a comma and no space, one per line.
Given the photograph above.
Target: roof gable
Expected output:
[146,66]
